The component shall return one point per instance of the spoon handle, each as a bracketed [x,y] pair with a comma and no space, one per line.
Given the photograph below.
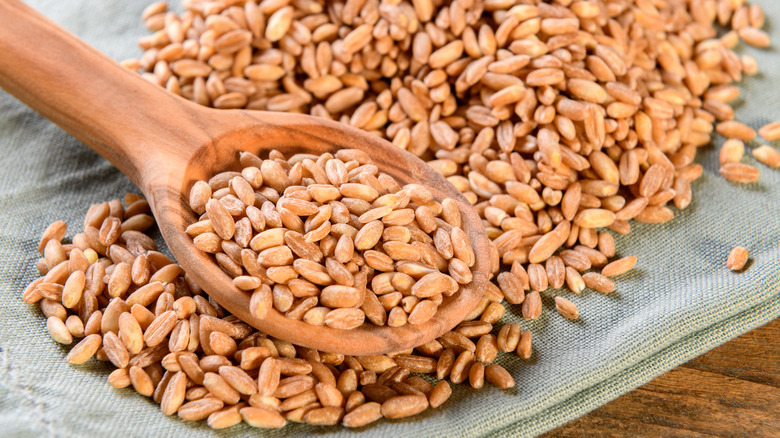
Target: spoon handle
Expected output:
[127,120]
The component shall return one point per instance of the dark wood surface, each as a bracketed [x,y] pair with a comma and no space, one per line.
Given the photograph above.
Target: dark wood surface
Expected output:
[731,391]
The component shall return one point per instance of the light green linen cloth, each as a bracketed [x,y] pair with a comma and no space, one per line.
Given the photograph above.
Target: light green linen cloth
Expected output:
[679,301]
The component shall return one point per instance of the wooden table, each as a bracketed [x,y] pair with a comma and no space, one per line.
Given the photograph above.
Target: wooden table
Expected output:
[733,390]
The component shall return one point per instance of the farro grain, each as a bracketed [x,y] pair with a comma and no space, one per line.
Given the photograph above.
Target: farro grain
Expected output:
[162,325]
[404,406]
[444,363]
[492,313]
[566,308]
[220,388]
[487,348]
[754,37]
[731,151]
[737,258]
[440,393]
[85,349]
[532,306]
[739,172]
[574,281]
[362,415]
[115,350]
[119,378]
[130,333]
[512,287]
[75,326]
[655,214]
[477,375]
[770,132]
[355,400]
[549,243]
[329,415]
[555,269]
[224,418]
[533,128]
[765,154]
[606,245]
[261,417]
[497,375]
[200,409]
[73,289]
[55,231]
[734,129]
[220,343]
[524,347]
[537,277]
[473,329]
[141,381]
[598,282]
[620,266]
[92,326]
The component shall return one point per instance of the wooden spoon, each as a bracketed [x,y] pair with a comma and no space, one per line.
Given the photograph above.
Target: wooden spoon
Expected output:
[165,143]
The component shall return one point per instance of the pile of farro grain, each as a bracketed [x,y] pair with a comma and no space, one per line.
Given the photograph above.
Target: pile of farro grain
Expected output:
[120,300]
[332,241]
[558,120]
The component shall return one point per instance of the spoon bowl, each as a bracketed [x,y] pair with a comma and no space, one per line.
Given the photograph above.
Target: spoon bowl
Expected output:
[288,132]
[165,143]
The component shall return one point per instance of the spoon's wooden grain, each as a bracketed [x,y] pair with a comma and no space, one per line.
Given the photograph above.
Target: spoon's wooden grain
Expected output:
[164,143]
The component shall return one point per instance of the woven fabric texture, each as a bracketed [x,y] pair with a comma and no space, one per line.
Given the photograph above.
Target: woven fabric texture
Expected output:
[679,301]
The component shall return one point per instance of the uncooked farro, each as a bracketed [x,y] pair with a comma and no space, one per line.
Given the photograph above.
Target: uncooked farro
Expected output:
[731,151]
[740,172]
[381,236]
[532,126]
[734,129]
[737,258]
[566,308]
[598,282]
[620,266]
[524,347]
[770,131]
[765,154]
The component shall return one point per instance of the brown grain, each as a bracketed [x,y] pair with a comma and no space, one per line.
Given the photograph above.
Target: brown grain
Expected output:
[765,154]
[508,337]
[532,306]
[85,349]
[497,375]
[737,258]
[261,417]
[731,151]
[197,410]
[440,393]
[770,132]
[292,251]
[598,282]
[734,129]
[538,129]
[566,308]
[524,347]
[173,394]
[620,266]
[739,173]
[362,415]
[404,406]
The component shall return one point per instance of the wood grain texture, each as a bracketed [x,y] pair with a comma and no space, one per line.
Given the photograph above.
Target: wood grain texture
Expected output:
[165,143]
[731,391]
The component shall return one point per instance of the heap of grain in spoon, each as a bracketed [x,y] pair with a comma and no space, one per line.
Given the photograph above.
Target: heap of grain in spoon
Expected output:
[332,241]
